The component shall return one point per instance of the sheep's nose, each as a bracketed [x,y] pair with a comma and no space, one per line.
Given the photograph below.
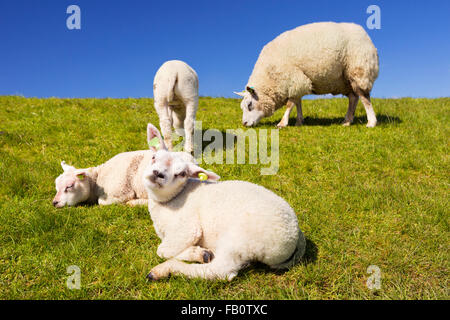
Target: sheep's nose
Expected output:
[55,203]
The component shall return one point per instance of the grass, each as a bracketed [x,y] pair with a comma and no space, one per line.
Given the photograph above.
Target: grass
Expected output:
[363,197]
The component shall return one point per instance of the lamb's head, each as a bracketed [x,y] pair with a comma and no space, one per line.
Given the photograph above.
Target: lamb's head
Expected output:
[168,172]
[72,187]
[253,109]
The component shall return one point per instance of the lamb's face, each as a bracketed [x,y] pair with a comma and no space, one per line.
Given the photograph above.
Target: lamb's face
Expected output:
[252,112]
[167,171]
[72,187]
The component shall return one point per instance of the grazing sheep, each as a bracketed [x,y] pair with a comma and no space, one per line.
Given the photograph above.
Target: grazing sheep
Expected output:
[318,58]
[118,180]
[224,225]
[175,89]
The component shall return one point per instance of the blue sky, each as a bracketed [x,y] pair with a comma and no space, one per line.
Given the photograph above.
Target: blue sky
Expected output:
[122,43]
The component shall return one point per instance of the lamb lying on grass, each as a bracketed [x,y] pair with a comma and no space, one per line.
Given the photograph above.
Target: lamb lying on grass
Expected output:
[224,225]
[116,181]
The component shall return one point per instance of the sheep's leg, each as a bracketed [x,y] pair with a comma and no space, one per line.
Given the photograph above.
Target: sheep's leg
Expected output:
[285,120]
[178,120]
[300,119]
[165,122]
[191,110]
[219,268]
[196,254]
[352,103]
[371,117]
[138,202]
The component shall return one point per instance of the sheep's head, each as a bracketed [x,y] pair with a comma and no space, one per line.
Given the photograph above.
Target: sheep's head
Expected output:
[168,172]
[72,187]
[252,110]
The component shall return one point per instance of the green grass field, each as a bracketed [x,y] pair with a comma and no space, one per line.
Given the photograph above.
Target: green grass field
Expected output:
[363,197]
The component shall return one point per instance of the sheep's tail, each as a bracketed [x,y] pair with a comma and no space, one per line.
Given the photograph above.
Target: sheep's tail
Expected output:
[296,256]
[171,87]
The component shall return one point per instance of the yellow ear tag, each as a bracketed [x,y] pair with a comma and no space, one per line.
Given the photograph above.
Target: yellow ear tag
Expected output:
[202,176]
[80,176]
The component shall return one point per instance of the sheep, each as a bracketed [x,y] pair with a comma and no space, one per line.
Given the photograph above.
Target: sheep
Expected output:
[221,225]
[317,58]
[175,90]
[116,181]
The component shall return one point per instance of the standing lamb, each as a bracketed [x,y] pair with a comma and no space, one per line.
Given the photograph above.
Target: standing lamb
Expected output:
[175,89]
[224,225]
[317,58]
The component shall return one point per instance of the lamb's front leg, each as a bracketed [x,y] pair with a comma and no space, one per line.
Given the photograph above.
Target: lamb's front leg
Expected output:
[196,254]
[220,268]
[177,240]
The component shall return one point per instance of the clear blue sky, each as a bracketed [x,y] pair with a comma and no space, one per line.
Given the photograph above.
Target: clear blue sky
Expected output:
[122,43]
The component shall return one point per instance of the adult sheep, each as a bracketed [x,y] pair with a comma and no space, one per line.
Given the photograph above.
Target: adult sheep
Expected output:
[317,58]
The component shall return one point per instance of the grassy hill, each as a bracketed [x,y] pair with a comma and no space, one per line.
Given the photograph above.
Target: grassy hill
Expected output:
[363,197]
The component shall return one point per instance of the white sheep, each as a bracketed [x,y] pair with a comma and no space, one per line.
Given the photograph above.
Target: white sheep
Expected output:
[175,90]
[222,225]
[317,58]
[118,180]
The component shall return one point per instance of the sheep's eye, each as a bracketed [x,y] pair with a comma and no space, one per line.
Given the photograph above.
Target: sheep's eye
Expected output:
[249,106]
[68,187]
[181,174]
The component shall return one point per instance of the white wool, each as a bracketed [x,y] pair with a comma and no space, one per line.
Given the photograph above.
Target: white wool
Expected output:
[116,181]
[318,58]
[236,222]
[175,90]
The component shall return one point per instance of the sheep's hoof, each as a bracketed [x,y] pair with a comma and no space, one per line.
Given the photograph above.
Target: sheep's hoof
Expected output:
[371,125]
[152,277]
[281,125]
[299,123]
[207,256]
[347,124]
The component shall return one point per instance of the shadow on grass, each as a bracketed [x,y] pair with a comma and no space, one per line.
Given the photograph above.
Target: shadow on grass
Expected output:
[382,119]
[310,256]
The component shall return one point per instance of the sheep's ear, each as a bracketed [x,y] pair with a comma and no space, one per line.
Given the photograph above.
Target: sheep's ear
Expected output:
[66,167]
[195,171]
[81,176]
[241,94]
[154,139]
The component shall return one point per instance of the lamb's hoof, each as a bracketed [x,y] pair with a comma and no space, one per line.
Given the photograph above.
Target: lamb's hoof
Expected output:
[346,124]
[371,125]
[281,125]
[151,277]
[207,256]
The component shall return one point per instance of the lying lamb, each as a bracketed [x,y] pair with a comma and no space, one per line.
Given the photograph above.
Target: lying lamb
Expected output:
[224,225]
[118,180]
[175,89]
[318,58]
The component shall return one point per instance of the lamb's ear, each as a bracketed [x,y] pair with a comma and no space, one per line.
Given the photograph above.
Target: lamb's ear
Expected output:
[154,139]
[81,175]
[241,94]
[195,170]
[66,167]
